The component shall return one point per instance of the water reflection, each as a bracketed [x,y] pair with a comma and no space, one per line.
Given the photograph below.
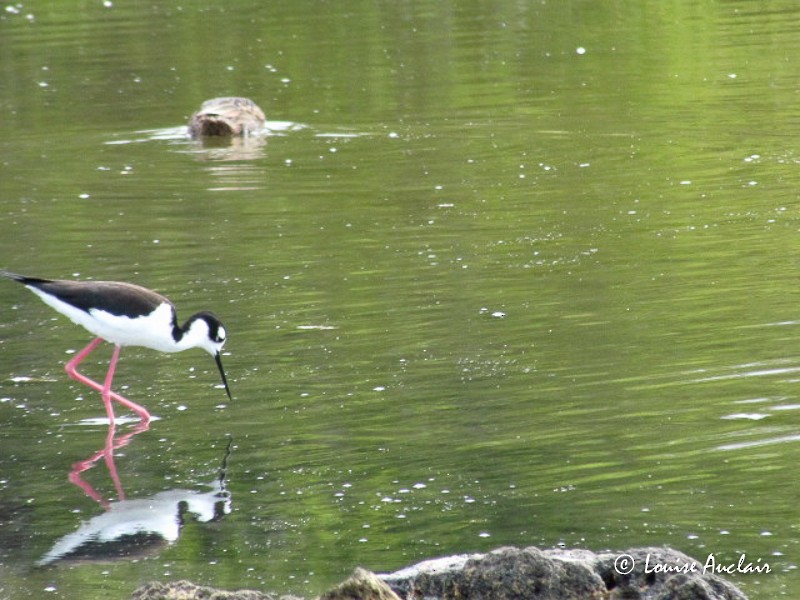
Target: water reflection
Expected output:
[230,148]
[131,528]
[113,442]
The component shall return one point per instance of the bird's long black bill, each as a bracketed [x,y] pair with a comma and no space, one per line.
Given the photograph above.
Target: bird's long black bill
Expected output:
[218,358]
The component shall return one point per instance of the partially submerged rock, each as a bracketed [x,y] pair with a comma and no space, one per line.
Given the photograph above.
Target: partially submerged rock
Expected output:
[227,116]
[505,574]
[511,574]
[560,574]
[186,590]
[361,585]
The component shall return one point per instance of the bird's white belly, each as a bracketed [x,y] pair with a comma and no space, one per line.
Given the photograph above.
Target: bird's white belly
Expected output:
[152,331]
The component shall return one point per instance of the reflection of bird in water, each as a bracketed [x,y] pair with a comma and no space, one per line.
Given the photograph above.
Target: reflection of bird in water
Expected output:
[142,526]
[125,315]
[226,116]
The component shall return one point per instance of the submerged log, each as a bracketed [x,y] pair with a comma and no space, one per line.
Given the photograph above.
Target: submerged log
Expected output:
[227,117]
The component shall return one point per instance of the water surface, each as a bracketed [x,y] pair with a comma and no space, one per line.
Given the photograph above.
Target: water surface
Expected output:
[509,274]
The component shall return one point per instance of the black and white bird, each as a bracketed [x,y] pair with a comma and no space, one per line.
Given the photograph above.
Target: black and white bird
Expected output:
[125,314]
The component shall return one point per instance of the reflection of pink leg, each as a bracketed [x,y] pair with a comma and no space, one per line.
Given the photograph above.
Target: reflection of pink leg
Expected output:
[105,390]
[107,453]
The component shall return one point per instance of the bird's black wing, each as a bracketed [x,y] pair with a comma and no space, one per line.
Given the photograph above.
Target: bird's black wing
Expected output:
[116,298]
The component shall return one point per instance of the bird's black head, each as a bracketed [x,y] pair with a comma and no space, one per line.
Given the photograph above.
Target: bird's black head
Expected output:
[204,330]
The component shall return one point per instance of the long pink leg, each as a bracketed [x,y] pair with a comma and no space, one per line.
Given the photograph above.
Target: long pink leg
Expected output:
[105,389]
[105,393]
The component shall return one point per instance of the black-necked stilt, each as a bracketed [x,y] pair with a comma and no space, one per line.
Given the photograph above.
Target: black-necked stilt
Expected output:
[125,315]
[226,116]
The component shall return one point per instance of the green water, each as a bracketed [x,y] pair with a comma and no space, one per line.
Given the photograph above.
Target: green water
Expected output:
[503,273]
